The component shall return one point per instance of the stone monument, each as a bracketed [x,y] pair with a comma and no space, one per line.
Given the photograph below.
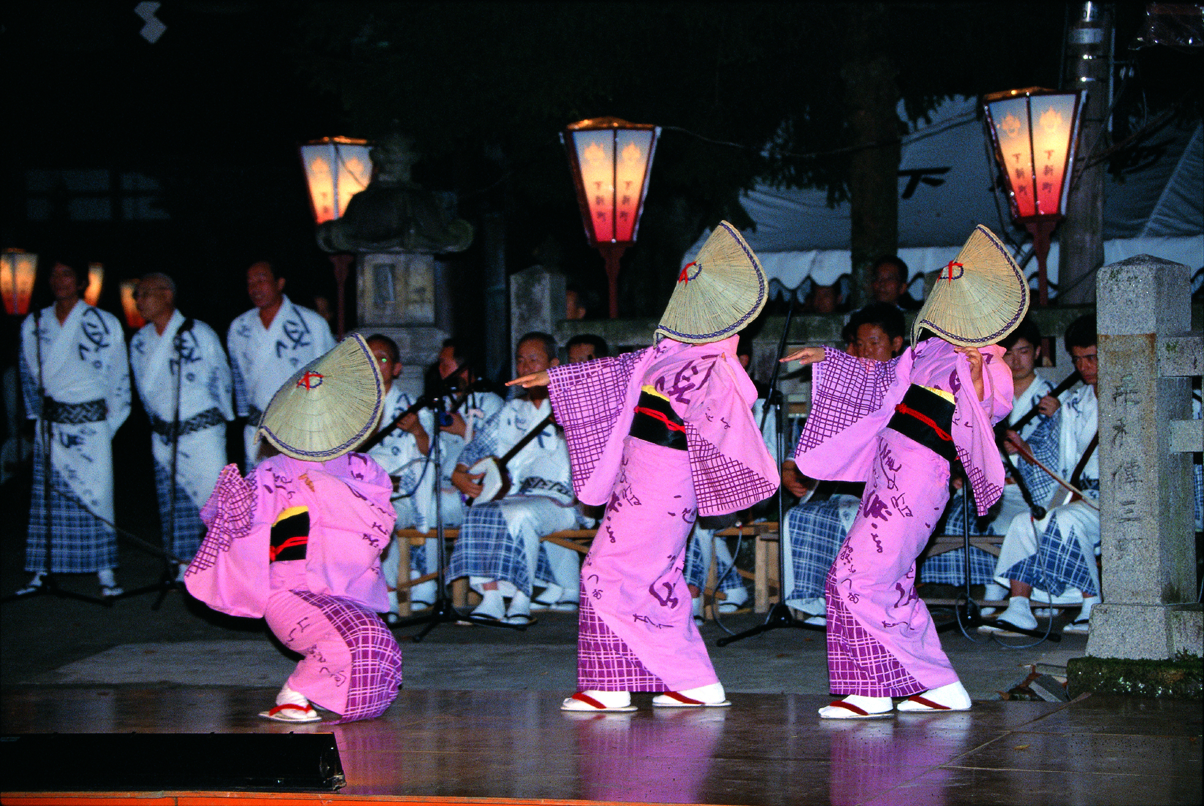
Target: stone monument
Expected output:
[397,229]
[1147,356]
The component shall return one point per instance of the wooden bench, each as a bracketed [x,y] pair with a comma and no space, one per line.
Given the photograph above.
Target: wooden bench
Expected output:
[578,540]
[767,575]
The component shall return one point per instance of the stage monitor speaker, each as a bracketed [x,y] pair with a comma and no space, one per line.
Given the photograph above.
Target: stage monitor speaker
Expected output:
[88,762]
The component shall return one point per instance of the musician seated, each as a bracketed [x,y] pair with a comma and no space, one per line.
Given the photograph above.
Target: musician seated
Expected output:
[561,583]
[816,528]
[704,547]
[1023,355]
[498,546]
[1054,559]
[403,453]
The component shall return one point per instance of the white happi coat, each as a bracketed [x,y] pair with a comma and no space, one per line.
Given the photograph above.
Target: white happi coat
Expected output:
[540,501]
[477,409]
[1079,421]
[82,360]
[1012,502]
[206,384]
[398,454]
[263,358]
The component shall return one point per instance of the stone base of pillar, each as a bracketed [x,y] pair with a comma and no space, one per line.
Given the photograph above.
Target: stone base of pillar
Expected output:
[1152,632]
[1149,679]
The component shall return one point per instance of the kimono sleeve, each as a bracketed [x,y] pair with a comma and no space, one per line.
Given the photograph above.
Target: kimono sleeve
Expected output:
[230,570]
[588,401]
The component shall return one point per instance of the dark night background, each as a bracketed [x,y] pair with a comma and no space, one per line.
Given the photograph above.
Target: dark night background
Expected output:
[180,155]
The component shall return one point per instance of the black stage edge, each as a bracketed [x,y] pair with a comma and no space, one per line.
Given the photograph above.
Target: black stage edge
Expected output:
[80,762]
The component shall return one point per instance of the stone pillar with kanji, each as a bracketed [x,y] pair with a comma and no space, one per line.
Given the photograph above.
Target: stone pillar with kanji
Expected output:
[1147,356]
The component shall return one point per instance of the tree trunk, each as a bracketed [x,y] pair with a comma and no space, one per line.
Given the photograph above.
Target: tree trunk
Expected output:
[871,99]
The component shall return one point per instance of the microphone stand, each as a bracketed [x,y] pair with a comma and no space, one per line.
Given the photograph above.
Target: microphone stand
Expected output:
[49,583]
[966,611]
[1036,512]
[442,610]
[168,579]
[779,615]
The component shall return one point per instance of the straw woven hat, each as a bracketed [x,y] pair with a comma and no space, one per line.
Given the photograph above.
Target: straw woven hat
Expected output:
[329,406]
[719,293]
[977,299]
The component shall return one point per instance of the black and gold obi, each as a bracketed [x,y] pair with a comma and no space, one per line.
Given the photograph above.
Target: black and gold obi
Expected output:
[290,534]
[656,422]
[926,416]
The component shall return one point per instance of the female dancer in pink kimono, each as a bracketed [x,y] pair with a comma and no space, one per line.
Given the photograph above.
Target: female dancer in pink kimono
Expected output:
[298,542]
[897,425]
[660,436]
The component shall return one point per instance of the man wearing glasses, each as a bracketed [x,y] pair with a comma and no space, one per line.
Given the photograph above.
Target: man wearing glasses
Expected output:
[184,381]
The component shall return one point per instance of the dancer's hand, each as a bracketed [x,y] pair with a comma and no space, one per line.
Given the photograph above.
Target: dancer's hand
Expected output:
[975,358]
[806,356]
[534,379]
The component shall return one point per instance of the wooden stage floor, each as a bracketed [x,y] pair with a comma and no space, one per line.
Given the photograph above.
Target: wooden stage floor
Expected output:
[517,747]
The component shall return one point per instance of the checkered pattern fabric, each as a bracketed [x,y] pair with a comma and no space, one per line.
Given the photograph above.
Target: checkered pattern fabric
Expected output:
[182,529]
[588,398]
[949,568]
[81,542]
[242,401]
[857,662]
[543,568]
[696,572]
[228,514]
[816,533]
[375,656]
[604,661]
[722,484]
[1058,564]
[1044,444]
[842,395]
[486,548]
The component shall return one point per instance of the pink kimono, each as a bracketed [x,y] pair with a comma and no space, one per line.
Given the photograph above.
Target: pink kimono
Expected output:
[636,629]
[881,640]
[319,592]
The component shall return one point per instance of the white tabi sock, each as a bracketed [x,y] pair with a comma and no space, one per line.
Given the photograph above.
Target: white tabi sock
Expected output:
[520,605]
[492,605]
[953,696]
[1019,613]
[871,705]
[289,696]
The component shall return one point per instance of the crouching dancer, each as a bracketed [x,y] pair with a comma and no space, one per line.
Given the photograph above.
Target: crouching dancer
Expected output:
[661,436]
[298,542]
[896,425]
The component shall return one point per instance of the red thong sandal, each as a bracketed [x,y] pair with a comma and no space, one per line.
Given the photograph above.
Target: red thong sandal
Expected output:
[581,701]
[923,705]
[855,712]
[292,713]
[675,699]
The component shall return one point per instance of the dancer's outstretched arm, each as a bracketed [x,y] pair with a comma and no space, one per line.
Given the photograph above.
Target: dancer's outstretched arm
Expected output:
[534,379]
